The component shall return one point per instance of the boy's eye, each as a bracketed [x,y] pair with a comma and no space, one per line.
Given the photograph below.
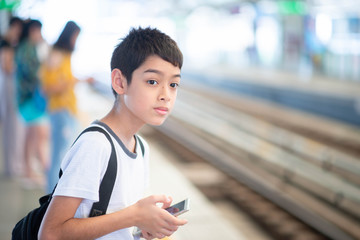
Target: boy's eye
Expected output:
[152,82]
[174,85]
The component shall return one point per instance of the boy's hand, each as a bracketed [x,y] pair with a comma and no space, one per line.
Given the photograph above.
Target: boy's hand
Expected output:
[146,235]
[156,222]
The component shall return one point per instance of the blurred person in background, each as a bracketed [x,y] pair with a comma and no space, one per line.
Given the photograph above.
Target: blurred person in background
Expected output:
[58,84]
[8,113]
[31,101]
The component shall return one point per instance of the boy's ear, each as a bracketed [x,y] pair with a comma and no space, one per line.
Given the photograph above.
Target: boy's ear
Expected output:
[118,81]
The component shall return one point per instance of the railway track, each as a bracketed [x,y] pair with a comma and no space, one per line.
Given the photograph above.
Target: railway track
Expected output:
[296,186]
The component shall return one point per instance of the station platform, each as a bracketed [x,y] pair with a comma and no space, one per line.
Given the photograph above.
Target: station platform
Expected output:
[205,221]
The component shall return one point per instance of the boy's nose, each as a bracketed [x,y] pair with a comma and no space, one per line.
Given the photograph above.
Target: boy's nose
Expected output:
[164,94]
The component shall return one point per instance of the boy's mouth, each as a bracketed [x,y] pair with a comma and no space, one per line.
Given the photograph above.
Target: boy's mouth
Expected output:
[162,110]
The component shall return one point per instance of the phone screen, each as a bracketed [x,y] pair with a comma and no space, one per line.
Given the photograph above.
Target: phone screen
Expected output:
[176,208]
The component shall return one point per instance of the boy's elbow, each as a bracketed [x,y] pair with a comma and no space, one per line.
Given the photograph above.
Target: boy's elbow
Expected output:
[47,235]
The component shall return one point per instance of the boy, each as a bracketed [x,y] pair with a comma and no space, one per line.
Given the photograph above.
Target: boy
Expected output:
[145,76]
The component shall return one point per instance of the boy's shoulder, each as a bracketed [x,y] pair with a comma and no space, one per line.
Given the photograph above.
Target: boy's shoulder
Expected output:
[96,139]
[91,139]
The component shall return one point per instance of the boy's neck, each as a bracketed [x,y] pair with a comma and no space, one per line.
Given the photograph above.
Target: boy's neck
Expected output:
[123,125]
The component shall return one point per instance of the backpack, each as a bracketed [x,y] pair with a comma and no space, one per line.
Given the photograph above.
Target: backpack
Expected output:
[28,227]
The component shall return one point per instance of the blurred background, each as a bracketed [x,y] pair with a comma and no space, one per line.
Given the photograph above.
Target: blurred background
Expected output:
[304,37]
[267,122]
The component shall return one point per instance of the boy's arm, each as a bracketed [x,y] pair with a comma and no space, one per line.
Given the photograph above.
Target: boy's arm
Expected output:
[59,221]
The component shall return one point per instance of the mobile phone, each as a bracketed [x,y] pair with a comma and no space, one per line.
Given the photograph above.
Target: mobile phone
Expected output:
[176,210]
[179,208]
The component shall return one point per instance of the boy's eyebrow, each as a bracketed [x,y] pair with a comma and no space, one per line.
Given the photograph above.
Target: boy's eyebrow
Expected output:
[150,70]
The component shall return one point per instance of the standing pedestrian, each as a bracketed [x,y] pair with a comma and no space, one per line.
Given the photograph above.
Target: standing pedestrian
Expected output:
[58,84]
[30,99]
[8,113]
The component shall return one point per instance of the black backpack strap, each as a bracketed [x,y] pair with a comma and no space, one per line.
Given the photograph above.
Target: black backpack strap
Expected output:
[108,181]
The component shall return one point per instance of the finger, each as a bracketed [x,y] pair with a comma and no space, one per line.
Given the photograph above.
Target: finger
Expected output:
[176,221]
[166,233]
[161,199]
[146,235]
[160,235]
[167,204]
[172,228]
[181,222]
[170,219]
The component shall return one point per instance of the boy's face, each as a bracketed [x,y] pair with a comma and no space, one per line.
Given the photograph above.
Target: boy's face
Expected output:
[152,93]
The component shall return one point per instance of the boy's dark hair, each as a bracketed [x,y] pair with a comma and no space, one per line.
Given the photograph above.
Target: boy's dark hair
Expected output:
[141,43]
[64,41]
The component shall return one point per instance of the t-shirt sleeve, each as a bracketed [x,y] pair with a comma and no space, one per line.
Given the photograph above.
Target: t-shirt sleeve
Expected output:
[84,167]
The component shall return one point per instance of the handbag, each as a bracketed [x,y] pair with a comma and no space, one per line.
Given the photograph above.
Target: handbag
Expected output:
[28,227]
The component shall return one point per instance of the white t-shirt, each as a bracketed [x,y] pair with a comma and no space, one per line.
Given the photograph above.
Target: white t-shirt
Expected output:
[84,167]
